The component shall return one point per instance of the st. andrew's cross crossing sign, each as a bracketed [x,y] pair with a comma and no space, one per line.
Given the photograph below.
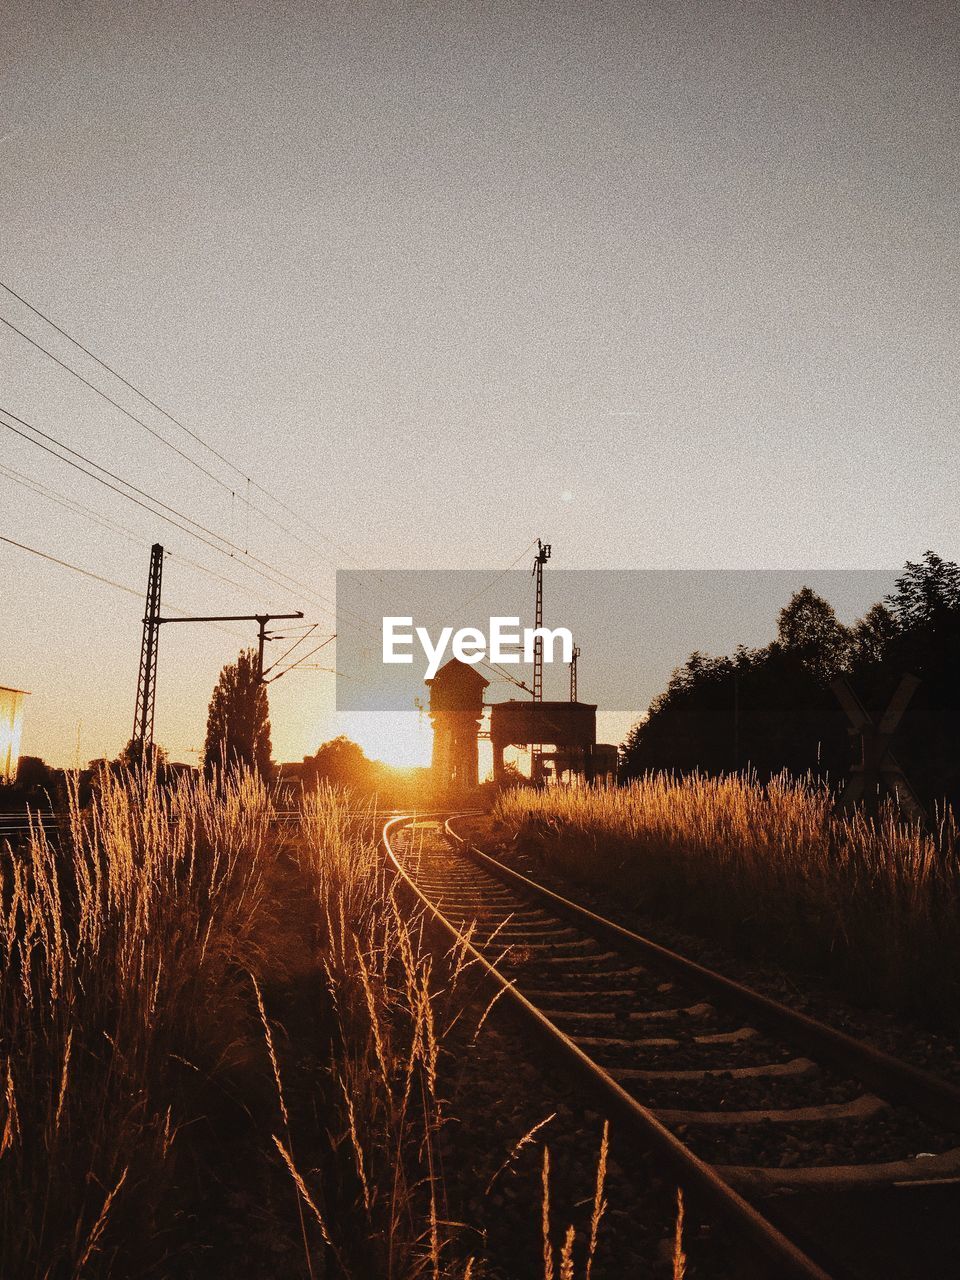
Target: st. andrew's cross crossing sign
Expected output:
[877,766]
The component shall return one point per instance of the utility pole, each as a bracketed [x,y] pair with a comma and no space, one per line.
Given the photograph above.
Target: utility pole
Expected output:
[542,556]
[263,619]
[573,672]
[152,622]
[147,678]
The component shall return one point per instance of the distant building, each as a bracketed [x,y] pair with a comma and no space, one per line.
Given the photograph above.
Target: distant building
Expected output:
[11,727]
[569,727]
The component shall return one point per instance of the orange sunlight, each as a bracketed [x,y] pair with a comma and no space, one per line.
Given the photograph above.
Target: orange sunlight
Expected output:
[402,738]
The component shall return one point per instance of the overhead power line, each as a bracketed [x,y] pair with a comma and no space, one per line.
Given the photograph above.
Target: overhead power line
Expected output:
[120,378]
[492,666]
[113,526]
[116,404]
[80,508]
[65,564]
[69,504]
[229,547]
[88,573]
[502,574]
[175,421]
[84,458]
[296,645]
[218,542]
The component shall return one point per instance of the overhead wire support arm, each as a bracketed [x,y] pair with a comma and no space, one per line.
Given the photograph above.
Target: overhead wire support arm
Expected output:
[261,618]
[233,617]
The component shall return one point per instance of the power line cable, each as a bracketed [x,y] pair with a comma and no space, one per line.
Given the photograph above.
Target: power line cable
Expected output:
[70,504]
[492,666]
[113,526]
[175,421]
[88,573]
[197,531]
[192,461]
[245,555]
[116,404]
[170,418]
[502,574]
[52,440]
[65,564]
[119,376]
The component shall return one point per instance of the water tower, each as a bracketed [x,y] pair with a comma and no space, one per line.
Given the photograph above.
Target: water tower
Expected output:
[456,706]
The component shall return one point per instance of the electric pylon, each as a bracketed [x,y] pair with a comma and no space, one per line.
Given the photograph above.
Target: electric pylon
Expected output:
[542,556]
[142,739]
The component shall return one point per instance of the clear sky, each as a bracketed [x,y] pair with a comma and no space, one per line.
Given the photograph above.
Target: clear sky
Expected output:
[671,285]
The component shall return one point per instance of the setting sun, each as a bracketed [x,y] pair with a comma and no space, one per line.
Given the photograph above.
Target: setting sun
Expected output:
[402,739]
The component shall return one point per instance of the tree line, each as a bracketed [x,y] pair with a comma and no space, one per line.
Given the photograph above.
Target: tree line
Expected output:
[772,709]
[238,734]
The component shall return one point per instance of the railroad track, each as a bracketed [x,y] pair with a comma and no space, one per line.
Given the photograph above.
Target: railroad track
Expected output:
[22,823]
[827,1157]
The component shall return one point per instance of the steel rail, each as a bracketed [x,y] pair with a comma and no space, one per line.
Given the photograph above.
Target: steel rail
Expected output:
[780,1258]
[897,1081]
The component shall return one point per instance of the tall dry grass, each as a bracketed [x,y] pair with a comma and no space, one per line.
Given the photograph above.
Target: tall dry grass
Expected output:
[382,1206]
[119,949]
[768,868]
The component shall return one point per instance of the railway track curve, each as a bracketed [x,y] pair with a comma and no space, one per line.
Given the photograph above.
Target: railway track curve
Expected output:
[754,1106]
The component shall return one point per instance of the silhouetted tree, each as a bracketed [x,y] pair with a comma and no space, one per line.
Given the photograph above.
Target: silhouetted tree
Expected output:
[809,629]
[341,761]
[767,709]
[132,755]
[773,709]
[927,594]
[872,638]
[238,721]
[926,605]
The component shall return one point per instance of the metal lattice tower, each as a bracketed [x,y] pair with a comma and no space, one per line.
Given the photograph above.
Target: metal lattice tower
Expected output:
[543,555]
[573,672]
[147,678]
